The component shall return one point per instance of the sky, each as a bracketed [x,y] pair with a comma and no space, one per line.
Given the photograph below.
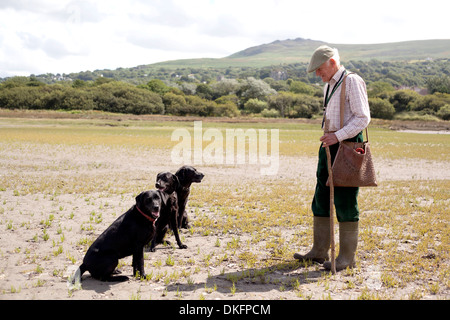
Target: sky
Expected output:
[63,36]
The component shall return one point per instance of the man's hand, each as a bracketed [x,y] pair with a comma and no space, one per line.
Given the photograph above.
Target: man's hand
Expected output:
[329,139]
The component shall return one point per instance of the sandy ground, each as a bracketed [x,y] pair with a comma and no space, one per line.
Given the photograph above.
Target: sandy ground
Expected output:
[32,267]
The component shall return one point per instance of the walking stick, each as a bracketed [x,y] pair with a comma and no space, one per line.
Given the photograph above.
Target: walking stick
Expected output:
[332,244]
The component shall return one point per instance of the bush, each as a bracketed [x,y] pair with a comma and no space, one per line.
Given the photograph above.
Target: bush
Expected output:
[300,111]
[430,104]
[256,89]
[378,87]
[301,87]
[21,98]
[174,104]
[281,102]
[227,106]
[157,86]
[402,99]
[305,106]
[198,106]
[126,98]
[225,87]
[295,105]
[255,106]
[380,108]
[270,113]
[228,109]
[204,91]
[439,84]
[444,112]
[57,97]
[228,98]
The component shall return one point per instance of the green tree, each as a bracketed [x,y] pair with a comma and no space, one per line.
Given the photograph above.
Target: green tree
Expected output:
[444,112]
[21,98]
[226,109]
[256,89]
[430,104]
[77,83]
[439,84]
[204,91]
[228,98]
[20,81]
[376,88]
[101,80]
[282,102]
[225,87]
[381,108]
[175,104]
[304,106]
[255,106]
[158,86]
[227,106]
[199,106]
[301,87]
[125,98]
[402,99]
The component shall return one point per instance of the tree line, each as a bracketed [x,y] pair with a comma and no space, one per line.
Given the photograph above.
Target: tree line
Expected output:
[397,73]
[225,97]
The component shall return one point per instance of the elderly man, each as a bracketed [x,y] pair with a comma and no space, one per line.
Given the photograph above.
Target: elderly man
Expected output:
[326,63]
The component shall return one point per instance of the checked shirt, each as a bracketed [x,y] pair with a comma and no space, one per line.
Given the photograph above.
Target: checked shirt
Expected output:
[356,110]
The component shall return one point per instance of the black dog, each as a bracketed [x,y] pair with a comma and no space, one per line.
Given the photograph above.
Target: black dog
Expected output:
[167,183]
[124,237]
[186,176]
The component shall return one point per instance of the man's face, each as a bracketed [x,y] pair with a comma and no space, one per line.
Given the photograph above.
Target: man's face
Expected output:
[327,70]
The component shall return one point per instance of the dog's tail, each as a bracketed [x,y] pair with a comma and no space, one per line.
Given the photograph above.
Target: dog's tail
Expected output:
[74,280]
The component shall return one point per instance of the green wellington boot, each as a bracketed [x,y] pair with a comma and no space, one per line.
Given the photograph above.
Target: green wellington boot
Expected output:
[348,242]
[321,245]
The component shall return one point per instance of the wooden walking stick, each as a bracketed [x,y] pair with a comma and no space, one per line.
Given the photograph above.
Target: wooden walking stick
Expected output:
[330,175]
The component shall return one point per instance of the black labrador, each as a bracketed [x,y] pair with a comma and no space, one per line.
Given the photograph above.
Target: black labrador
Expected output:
[167,183]
[126,236]
[186,176]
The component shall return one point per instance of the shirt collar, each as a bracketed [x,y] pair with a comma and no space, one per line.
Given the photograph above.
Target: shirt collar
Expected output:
[337,75]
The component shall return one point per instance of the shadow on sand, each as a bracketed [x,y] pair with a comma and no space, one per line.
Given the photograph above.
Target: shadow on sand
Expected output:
[280,276]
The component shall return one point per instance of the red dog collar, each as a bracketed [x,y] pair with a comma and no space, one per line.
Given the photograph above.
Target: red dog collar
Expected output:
[148,217]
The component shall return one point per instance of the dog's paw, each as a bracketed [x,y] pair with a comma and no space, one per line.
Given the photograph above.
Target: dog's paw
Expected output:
[183,246]
[141,277]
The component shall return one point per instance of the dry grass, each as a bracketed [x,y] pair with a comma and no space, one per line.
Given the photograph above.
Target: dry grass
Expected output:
[63,182]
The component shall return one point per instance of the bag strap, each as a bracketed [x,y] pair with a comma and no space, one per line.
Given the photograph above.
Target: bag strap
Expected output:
[343,104]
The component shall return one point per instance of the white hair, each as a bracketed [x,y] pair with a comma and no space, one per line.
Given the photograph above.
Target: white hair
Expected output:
[336,57]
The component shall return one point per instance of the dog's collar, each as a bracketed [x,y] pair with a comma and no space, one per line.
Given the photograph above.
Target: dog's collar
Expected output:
[146,216]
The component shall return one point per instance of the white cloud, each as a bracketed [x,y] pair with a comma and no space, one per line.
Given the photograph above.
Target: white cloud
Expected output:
[70,36]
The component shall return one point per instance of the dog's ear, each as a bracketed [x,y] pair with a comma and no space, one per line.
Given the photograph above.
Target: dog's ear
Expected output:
[139,197]
[180,173]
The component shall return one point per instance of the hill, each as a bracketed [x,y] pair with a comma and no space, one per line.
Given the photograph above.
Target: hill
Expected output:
[300,50]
